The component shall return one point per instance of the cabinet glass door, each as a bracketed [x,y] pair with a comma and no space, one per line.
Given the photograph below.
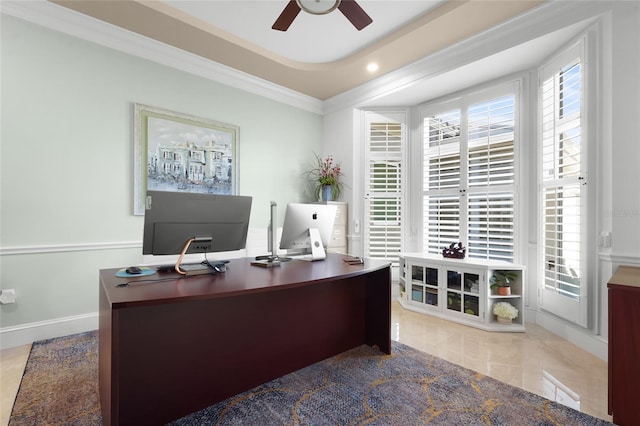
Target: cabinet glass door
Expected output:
[424,285]
[463,292]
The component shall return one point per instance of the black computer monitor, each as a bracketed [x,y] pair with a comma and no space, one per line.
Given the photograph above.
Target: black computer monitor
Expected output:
[214,222]
[307,229]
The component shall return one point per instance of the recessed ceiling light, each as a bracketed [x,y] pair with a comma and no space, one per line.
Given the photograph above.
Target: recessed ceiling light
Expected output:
[372,67]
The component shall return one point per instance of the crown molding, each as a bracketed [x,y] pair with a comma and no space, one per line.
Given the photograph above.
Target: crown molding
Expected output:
[530,25]
[534,23]
[63,20]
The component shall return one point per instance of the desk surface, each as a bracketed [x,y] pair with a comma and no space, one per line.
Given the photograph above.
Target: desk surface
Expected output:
[241,277]
[626,276]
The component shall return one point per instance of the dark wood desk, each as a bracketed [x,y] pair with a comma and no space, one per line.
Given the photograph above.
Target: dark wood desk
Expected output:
[170,348]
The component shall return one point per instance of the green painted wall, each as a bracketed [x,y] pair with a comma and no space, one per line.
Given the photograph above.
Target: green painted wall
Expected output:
[67,160]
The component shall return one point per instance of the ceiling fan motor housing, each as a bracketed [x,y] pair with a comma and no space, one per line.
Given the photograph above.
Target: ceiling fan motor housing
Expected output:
[349,8]
[318,7]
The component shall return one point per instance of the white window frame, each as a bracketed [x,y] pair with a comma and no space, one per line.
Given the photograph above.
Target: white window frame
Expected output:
[391,116]
[462,101]
[576,310]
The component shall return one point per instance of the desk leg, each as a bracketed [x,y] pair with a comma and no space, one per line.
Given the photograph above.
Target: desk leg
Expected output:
[378,310]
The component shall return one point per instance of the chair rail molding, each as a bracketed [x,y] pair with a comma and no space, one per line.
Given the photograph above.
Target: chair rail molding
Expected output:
[65,248]
[630,259]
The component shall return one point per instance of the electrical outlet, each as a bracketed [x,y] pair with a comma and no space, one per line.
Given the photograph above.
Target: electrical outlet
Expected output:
[8,296]
[605,239]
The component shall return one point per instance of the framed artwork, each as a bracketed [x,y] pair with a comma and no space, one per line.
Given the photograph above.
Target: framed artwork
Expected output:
[181,153]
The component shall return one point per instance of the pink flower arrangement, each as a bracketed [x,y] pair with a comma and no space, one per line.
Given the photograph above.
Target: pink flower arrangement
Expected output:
[327,172]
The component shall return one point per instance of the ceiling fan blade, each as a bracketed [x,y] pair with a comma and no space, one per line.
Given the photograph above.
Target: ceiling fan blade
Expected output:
[355,14]
[287,16]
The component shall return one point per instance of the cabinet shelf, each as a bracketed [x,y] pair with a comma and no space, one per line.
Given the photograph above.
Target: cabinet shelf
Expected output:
[459,289]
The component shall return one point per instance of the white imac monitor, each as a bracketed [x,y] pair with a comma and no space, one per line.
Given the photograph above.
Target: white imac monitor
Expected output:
[307,229]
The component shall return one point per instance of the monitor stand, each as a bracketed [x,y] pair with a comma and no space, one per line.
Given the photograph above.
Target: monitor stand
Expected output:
[192,269]
[317,249]
[271,260]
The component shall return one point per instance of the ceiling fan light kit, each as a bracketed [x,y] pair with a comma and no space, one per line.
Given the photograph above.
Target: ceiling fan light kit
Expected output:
[318,7]
[349,8]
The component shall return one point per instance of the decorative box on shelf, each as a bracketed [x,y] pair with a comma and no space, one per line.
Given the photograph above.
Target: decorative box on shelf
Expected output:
[460,289]
[454,251]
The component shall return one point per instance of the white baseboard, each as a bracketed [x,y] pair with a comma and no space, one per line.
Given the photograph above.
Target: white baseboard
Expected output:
[28,333]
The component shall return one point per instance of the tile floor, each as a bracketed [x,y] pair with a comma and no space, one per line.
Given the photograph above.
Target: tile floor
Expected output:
[537,361]
[12,363]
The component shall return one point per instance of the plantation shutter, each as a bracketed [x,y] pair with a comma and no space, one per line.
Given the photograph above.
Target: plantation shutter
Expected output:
[563,190]
[469,176]
[441,180]
[491,178]
[442,221]
[383,186]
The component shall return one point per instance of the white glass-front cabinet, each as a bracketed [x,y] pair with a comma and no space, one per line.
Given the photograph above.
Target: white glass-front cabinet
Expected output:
[460,289]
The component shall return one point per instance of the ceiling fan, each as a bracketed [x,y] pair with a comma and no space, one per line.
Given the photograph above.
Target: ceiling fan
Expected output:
[349,8]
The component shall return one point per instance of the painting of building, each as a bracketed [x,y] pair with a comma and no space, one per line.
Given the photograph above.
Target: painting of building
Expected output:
[183,156]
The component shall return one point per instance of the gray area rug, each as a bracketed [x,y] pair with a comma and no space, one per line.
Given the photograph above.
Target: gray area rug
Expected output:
[358,387]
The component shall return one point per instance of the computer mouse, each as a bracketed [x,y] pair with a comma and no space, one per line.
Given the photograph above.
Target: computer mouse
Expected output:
[134,270]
